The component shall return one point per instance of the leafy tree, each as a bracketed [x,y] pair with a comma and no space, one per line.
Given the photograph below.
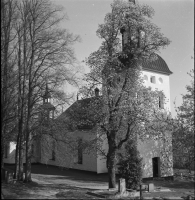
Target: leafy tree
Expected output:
[116,66]
[130,165]
[183,137]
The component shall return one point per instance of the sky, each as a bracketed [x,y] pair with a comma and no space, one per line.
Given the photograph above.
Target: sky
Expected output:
[175,18]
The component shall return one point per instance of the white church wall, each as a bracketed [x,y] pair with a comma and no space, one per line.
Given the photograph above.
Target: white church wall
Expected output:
[11,149]
[68,157]
[161,148]
[101,159]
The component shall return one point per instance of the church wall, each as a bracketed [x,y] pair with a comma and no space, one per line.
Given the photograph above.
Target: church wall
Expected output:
[157,148]
[101,160]
[11,149]
[161,83]
[68,157]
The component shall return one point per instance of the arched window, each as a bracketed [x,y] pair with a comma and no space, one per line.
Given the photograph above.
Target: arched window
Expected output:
[160,80]
[145,77]
[80,152]
[161,101]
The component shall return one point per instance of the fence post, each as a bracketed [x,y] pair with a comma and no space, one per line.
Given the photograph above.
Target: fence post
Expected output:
[140,191]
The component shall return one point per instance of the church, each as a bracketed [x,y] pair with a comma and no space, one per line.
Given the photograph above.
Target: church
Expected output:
[157,154]
[155,163]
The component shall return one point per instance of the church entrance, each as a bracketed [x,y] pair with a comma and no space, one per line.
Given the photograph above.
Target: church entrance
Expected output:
[156,166]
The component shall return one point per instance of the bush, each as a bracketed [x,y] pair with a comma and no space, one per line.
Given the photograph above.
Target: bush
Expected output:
[130,165]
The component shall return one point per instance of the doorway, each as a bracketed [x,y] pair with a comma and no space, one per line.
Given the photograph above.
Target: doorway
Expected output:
[156,166]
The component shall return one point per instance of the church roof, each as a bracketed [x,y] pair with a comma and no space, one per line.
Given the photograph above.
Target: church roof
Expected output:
[158,65]
[47,106]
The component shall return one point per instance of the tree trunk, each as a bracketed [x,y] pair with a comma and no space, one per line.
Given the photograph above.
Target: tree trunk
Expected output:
[111,173]
[2,155]
[20,175]
[16,172]
[28,157]
[111,157]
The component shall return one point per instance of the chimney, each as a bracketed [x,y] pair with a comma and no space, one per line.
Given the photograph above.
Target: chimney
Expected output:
[97,92]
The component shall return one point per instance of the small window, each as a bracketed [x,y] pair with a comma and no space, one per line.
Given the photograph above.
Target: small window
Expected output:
[152,79]
[145,78]
[80,152]
[160,80]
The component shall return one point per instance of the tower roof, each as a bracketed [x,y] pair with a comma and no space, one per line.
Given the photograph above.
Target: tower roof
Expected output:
[158,65]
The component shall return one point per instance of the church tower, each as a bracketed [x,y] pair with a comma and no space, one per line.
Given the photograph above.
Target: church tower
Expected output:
[47,109]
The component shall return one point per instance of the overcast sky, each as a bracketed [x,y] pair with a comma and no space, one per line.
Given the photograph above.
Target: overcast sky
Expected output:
[174,17]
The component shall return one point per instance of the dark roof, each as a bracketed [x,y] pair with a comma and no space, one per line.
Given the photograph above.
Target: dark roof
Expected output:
[48,106]
[158,65]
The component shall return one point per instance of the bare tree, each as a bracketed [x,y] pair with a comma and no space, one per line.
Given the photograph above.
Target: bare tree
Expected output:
[8,73]
[35,52]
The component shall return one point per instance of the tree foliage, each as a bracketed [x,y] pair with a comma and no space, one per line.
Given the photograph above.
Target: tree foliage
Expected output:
[130,165]
[183,138]
[128,108]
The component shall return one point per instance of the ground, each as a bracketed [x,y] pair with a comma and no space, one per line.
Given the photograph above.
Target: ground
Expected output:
[50,182]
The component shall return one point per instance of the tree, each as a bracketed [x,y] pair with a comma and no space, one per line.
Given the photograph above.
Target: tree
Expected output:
[8,73]
[43,55]
[116,66]
[130,165]
[47,58]
[183,137]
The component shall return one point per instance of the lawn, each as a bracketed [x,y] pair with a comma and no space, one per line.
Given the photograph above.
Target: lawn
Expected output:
[50,182]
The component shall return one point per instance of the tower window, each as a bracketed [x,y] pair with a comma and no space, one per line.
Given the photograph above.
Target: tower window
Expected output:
[160,80]
[145,78]
[152,79]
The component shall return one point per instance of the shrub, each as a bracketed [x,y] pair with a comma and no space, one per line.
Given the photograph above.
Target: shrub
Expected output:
[130,165]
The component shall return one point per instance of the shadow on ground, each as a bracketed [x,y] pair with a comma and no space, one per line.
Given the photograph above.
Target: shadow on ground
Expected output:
[53,173]
[57,175]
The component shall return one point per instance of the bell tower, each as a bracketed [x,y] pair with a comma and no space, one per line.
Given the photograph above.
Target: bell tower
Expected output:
[47,111]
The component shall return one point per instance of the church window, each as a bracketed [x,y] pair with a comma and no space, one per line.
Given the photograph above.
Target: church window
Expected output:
[80,152]
[160,80]
[145,78]
[152,79]
[161,101]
